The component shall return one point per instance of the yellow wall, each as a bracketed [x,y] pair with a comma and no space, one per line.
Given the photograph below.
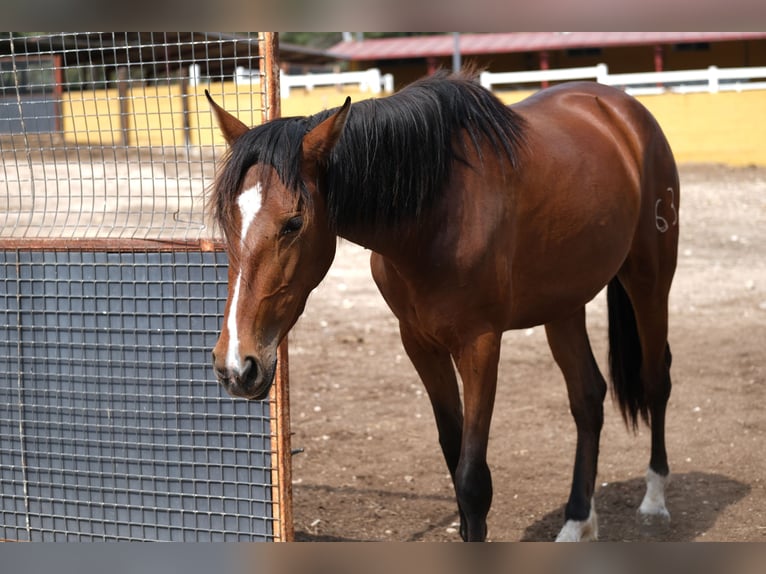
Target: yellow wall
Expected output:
[305,103]
[154,115]
[244,102]
[726,127]
[153,106]
[91,117]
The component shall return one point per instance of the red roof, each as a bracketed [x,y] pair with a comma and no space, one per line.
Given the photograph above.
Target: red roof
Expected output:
[473,44]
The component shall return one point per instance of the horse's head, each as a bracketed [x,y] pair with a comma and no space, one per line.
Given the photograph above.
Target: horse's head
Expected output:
[279,244]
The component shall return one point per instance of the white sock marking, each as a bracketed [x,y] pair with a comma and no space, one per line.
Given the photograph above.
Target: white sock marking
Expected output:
[249,202]
[580,530]
[654,499]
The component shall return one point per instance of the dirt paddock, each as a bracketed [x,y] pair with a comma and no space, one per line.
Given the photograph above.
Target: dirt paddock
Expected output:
[371,467]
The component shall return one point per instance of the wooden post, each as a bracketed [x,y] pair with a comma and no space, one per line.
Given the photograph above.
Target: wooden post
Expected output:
[122,98]
[545,64]
[658,61]
[272,106]
[183,73]
[432,65]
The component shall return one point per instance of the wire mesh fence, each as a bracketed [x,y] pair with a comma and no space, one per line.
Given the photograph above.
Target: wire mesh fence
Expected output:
[112,286]
[109,135]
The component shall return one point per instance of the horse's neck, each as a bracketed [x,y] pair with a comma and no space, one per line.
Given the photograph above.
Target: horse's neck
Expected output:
[397,245]
[374,241]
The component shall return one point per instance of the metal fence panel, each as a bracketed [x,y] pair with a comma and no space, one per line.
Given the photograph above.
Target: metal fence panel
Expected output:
[130,144]
[112,289]
[111,426]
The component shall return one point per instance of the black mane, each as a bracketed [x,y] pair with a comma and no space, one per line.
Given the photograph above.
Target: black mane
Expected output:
[394,156]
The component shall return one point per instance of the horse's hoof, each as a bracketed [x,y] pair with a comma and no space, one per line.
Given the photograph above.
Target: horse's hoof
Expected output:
[580,530]
[653,525]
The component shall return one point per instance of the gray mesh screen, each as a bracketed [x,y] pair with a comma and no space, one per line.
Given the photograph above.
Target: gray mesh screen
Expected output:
[111,426]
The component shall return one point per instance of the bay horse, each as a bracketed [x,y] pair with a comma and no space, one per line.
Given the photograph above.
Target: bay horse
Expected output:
[480,218]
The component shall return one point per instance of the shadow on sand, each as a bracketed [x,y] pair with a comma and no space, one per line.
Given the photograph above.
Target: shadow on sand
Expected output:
[694,499]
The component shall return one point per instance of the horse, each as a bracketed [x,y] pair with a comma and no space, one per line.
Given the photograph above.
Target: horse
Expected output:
[480,218]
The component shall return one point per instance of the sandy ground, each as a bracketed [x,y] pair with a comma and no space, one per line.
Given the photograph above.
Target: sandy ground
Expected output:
[104,193]
[371,468]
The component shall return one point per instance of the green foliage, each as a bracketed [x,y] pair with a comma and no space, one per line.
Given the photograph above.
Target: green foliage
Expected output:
[318,40]
[324,40]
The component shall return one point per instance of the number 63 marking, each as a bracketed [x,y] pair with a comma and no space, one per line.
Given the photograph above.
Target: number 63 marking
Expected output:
[660,221]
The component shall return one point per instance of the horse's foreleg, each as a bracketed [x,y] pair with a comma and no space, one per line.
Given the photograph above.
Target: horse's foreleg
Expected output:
[477,363]
[434,365]
[586,387]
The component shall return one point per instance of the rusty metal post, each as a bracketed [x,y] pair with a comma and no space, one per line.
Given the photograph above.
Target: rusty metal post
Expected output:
[272,108]
[283,476]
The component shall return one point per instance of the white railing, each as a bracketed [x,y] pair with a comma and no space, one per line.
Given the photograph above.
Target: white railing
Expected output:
[489,79]
[712,79]
[368,80]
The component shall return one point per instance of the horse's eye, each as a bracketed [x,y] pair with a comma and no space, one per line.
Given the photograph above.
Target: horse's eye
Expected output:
[293,224]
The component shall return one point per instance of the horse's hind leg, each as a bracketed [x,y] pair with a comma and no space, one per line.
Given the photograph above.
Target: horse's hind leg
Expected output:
[650,305]
[643,372]
[652,511]
[568,340]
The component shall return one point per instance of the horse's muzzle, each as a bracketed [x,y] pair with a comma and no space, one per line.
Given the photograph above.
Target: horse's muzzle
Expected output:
[252,382]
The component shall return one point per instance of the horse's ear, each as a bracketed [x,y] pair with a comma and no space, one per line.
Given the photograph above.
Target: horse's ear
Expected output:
[231,127]
[318,143]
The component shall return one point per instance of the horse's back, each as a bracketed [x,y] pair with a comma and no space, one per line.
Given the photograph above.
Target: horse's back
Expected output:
[575,95]
[593,113]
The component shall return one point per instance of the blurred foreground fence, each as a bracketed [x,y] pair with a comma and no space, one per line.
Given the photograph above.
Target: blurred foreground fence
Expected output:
[112,286]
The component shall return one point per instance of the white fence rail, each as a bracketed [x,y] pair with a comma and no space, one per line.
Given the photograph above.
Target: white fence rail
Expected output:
[368,81]
[712,79]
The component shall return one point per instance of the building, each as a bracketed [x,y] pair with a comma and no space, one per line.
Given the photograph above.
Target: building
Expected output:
[409,58]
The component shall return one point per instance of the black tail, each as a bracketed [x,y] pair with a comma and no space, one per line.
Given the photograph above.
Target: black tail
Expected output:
[625,355]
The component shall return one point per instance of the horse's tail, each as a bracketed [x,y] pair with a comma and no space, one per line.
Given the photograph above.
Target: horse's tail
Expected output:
[625,355]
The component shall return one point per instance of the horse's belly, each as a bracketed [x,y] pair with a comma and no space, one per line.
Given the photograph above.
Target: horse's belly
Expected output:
[545,306]
[557,273]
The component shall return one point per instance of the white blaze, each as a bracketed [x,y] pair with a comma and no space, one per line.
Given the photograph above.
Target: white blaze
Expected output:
[233,362]
[249,203]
